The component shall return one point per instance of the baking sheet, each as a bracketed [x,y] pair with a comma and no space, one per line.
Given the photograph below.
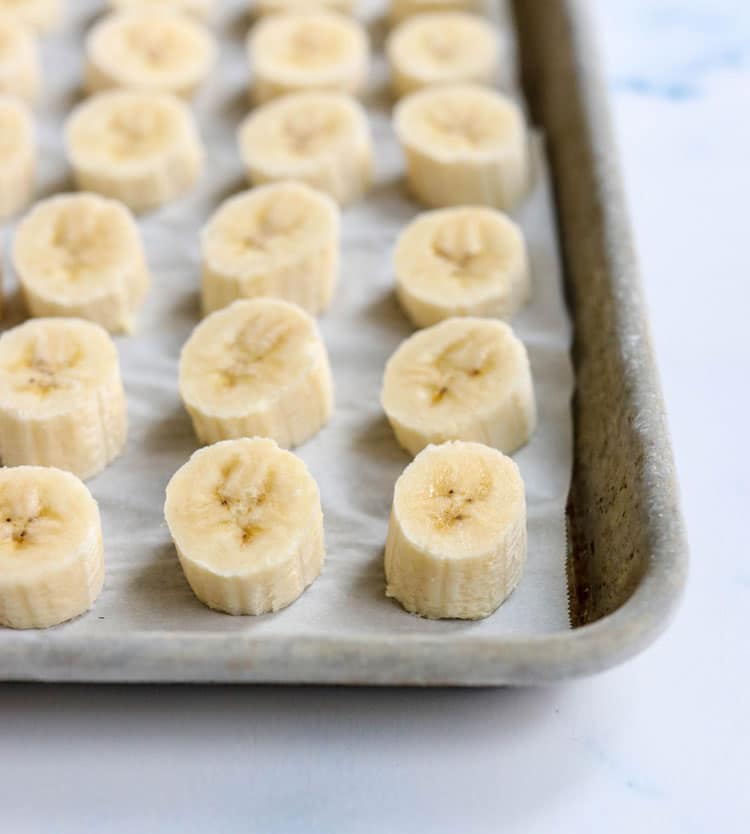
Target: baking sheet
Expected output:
[355,459]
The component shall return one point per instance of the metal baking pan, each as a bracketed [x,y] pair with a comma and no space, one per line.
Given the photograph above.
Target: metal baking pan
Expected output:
[627,554]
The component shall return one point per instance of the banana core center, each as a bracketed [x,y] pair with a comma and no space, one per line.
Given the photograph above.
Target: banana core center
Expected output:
[448,374]
[251,349]
[24,518]
[159,48]
[245,505]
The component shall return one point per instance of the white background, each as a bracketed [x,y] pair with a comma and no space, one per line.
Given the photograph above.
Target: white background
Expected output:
[660,744]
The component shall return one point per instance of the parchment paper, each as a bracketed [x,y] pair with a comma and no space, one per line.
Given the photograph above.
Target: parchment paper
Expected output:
[355,459]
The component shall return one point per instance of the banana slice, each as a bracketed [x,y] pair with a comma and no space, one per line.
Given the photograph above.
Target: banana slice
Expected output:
[463,261]
[61,398]
[456,543]
[319,138]
[257,367]
[442,48]
[17,156]
[41,15]
[464,145]
[81,255]
[201,9]
[266,7]
[401,9]
[247,524]
[308,51]
[140,148]
[462,379]
[51,551]
[151,50]
[279,240]
[20,71]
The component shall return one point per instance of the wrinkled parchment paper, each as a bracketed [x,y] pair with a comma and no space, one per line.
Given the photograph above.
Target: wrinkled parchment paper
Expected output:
[355,459]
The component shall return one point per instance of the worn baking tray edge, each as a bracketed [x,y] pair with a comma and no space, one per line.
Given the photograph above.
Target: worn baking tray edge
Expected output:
[628,555]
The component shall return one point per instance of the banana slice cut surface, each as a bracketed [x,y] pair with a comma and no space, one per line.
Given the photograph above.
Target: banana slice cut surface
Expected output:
[456,542]
[152,50]
[279,240]
[201,9]
[320,138]
[20,71]
[41,15]
[467,261]
[246,520]
[462,379]
[140,148]
[308,51]
[464,145]
[442,48]
[266,7]
[81,255]
[51,552]
[17,155]
[61,397]
[257,367]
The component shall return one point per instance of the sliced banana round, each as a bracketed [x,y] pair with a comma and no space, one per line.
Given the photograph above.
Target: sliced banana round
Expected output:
[61,397]
[401,9]
[456,543]
[257,367]
[20,70]
[462,379]
[201,9]
[140,148]
[320,138]
[41,15]
[464,145]
[151,49]
[51,550]
[17,156]
[81,255]
[266,7]
[466,261]
[442,48]
[247,524]
[317,50]
[279,240]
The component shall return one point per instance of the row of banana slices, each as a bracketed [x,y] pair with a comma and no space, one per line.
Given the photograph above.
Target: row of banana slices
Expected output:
[254,376]
[152,47]
[45,15]
[136,140]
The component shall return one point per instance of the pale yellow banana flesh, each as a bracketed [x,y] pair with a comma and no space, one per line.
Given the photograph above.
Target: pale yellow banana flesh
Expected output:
[51,552]
[319,50]
[261,8]
[200,9]
[20,70]
[319,138]
[456,542]
[246,520]
[62,402]
[81,255]
[466,261]
[150,50]
[279,240]
[257,367]
[17,156]
[140,148]
[40,15]
[442,48]
[462,379]
[464,145]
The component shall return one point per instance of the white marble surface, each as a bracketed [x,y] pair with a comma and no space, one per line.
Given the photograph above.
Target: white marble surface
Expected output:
[660,744]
